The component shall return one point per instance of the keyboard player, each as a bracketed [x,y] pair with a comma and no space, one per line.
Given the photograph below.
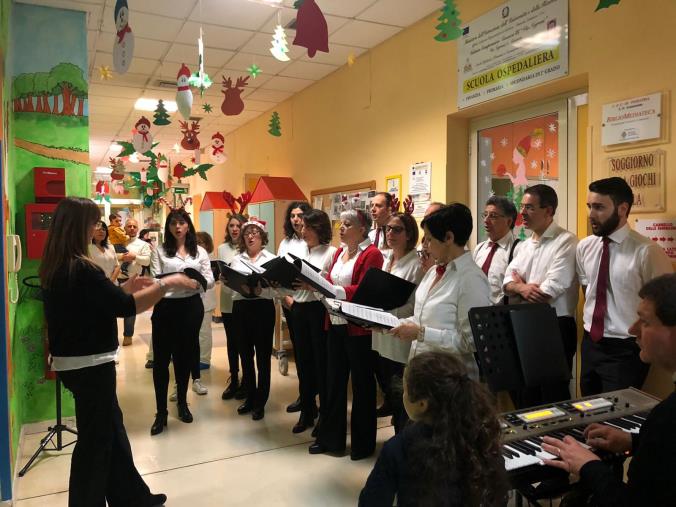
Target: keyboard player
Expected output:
[651,471]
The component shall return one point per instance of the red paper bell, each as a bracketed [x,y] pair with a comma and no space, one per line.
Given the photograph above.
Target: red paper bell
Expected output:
[311,29]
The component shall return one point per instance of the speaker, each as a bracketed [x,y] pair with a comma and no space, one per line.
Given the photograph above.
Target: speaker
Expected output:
[49,184]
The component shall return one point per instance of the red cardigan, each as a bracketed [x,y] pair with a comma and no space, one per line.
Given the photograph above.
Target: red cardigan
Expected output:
[371,257]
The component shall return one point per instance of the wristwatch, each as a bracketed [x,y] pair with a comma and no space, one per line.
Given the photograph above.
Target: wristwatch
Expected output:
[163,286]
[421,334]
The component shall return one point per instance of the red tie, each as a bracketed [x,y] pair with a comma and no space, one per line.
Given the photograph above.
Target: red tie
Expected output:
[441,269]
[489,259]
[597,325]
[377,241]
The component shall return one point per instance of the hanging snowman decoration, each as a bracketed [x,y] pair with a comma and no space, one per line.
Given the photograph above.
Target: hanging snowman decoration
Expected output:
[123,47]
[142,139]
[218,148]
[162,168]
[183,93]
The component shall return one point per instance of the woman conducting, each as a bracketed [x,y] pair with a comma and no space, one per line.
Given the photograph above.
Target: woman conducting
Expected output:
[349,348]
[79,298]
[177,318]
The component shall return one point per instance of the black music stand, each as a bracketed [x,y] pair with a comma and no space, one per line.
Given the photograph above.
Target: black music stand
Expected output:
[53,431]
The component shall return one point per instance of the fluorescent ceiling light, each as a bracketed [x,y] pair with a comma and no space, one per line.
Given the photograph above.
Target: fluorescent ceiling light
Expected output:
[272,3]
[144,104]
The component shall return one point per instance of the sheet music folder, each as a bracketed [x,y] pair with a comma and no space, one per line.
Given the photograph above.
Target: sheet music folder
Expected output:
[286,270]
[518,345]
[361,315]
[234,279]
[383,290]
[190,273]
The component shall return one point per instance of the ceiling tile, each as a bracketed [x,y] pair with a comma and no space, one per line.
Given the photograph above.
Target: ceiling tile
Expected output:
[289,14]
[138,65]
[307,70]
[149,26]
[185,53]
[232,13]
[174,9]
[269,95]
[261,80]
[260,45]
[287,84]
[259,105]
[400,12]
[268,64]
[345,8]
[214,36]
[145,48]
[128,79]
[363,34]
[109,90]
[337,55]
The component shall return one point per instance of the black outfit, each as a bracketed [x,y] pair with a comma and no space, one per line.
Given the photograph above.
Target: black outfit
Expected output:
[288,316]
[392,374]
[610,364]
[81,312]
[231,343]
[254,322]
[176,325]
[651,471]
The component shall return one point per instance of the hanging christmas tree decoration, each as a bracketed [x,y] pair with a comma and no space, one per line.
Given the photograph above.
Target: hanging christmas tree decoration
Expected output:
[161,116]
[162,168]
[604,4]
[200,79]
[123,47]
[105,73]
[183,93]
[217,148]
[275,125]
[449,23]
[232,103]
[207,108]
[254,70]
[311,29]
[280,47]
[142,139]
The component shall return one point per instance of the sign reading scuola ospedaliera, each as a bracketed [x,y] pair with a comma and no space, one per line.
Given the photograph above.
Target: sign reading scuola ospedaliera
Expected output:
[517,45]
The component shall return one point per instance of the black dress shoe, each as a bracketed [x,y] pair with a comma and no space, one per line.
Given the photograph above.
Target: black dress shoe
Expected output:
[356,456]
[241,393]
[317,448]
[183,413]
[384,410]
[294,407]
[231,390]
[303,424]
[159,424]
[258,414]
[150,364]
[152,501]
[245,408]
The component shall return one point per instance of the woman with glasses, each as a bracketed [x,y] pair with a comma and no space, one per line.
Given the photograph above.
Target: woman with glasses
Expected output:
[177,318]
[103,253]
[401,233]
[349,348]
[253,318]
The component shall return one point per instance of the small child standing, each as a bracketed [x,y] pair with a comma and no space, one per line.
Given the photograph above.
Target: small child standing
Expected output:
[451,454]
[118,239]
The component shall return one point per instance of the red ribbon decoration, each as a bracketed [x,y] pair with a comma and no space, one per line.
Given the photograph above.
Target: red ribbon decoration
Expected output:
[121,33]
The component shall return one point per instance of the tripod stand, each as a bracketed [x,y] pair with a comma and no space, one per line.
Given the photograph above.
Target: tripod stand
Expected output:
[54,431]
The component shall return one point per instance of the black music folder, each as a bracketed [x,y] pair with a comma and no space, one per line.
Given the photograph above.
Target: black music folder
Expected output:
[235,279]
[190,273]
[286,270]
[380,289]
[361,315]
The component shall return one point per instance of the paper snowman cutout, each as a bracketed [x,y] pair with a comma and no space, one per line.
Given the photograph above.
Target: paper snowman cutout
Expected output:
[183,93]
[142,139]
[123,47]
[216,151]
[162,168]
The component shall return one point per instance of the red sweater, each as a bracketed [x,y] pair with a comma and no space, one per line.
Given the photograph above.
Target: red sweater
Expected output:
[371,257]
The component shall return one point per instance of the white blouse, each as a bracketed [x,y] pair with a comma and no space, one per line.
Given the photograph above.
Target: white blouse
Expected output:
[320,257]
[293,245]
[386,344]
[263,257]
[160,263]
[226,252]
[341,276]
[106,260]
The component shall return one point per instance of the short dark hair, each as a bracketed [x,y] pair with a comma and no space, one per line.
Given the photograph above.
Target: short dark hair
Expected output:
[388,198]
[661,291]
[113,216]
[288,228]
[242,243]
[143,233]
[506,206]
[410,227]
[546,195]
[104,227]
[455,217]
[319,221]
[169,244]
[616,188]
[205,238]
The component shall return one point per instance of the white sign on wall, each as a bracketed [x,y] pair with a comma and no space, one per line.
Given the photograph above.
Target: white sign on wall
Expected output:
[420,187]
[520,44]
[662,231]
[632,120]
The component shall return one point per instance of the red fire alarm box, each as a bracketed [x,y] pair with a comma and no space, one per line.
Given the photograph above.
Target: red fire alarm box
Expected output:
[49,184]
[38,219]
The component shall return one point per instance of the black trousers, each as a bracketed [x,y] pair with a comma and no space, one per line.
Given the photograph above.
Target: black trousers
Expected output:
[176,327]
[610,364]
[392,374]
[349,355]
[254,321]
[288,316]
[231,342]
[102,467]
[308,320]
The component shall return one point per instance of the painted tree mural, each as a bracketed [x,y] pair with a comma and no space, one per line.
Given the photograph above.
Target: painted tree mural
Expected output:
[65,84]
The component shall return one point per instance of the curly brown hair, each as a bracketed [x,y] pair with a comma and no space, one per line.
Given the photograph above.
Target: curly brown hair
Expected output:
[465,439]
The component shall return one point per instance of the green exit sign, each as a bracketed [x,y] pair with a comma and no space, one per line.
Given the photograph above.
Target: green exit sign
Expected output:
[179,190]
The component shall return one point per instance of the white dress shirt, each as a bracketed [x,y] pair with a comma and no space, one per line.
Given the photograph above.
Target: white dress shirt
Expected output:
[293,245]
[444,310]
[226,252]
[548,261]
[320,256]
[341,276]
[634,260]
[263,257]
[382,241]
[387,345]
[106,260]
[160,263]
[142,250]
[496,271]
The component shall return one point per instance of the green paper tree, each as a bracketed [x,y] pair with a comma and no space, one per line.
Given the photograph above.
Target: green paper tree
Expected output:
[604,4]
[449,23]
[297,4]
[275,125]
[161,115]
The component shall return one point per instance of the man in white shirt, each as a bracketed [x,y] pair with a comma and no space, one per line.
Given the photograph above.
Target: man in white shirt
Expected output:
[613,264]
[137,255]
[543,271]
[494,255]
[381,209]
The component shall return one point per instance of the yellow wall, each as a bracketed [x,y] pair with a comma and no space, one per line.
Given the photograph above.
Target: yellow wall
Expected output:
[397,105]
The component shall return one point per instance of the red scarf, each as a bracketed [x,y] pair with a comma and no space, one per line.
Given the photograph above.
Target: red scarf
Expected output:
[183,88]
[145,136]
[121,33]
[217,149]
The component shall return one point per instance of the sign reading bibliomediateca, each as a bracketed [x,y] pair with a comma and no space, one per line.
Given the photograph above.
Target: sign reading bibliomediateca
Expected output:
[662,231]
[520,44]
[645,174]
[632,120]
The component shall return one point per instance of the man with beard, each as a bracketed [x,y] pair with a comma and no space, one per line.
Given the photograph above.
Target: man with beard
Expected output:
[612,265]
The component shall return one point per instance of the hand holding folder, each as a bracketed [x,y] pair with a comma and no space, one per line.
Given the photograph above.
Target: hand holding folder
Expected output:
[361,315]
[190,273]
[242,282]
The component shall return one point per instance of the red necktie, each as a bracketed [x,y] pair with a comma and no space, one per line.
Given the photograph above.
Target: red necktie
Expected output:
[489,259]
[377,241]
[441,269]
[597,325]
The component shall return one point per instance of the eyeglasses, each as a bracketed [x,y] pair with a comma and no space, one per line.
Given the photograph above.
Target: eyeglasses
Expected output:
[491,216]
[395,229]
[253,233]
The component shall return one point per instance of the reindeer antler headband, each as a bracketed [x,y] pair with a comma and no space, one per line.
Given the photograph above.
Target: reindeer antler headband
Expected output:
[188,200]
[408,205]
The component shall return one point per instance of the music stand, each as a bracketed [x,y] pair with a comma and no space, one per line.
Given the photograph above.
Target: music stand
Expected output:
[53,431]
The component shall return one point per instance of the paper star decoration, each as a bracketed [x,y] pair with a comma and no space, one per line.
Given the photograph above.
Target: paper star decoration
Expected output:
[105,73]
[254,70]
[351,59]
[551,153]
[552,127]
[206,107]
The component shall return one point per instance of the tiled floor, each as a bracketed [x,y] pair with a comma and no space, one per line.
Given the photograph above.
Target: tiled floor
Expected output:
[220,459]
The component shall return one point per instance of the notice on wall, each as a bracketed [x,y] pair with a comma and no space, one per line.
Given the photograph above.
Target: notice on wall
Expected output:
[420,187]
[645,174]
[520,44]
[662,231]
[632,120]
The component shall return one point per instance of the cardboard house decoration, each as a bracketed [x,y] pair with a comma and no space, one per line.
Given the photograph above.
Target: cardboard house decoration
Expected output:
[213,216]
